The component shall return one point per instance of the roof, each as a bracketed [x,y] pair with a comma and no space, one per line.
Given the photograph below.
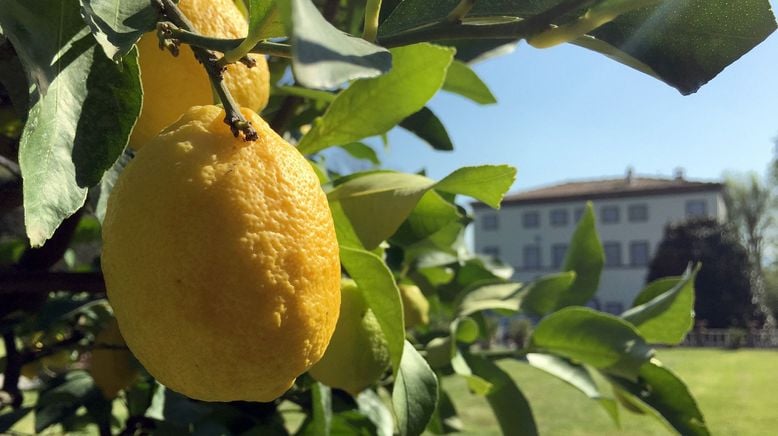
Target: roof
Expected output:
[608,188]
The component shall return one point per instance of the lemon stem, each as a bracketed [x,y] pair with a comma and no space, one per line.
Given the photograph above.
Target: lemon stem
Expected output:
[233,118]
[372,12]
[460,11]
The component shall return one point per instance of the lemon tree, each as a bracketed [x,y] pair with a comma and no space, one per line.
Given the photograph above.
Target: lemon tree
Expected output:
[166,159]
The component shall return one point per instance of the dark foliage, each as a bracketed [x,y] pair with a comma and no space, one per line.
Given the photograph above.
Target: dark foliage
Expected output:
[723,290]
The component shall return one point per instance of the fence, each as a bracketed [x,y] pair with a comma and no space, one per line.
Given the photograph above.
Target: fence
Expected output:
[732,338]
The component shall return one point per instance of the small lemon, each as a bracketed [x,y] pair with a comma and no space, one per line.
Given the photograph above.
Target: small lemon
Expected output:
[358,354]
[112,365]
[220,260]
[171,85]
[415,306]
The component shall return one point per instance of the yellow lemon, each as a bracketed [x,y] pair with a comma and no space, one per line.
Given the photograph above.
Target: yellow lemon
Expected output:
[171,85]
[220,260]
[112,366]
[415,306]
[358,354]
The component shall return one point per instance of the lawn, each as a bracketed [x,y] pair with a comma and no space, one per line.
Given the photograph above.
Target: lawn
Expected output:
[736,390]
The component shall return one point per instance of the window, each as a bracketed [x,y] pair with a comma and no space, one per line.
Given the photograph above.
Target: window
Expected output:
[490,222]
[558,252]
[612,253]
[530,220]
[559,217]
[696,208]
[531,257]
[614,307]
[637,213]
[638,253]
[609,214]
[491,250]
[578,214]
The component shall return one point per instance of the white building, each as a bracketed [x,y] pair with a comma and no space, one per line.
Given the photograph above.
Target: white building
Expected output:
[532,229]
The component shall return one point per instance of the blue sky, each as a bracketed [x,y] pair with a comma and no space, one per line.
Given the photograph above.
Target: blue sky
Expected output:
[568,113]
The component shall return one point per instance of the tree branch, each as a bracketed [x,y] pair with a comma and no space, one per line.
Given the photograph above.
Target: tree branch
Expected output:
[223,44]
[234,118]
[13,369]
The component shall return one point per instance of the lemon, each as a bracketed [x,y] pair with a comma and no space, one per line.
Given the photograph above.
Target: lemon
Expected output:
[111,365]
[220,260]
[171,85]
[358,354]
[416,308]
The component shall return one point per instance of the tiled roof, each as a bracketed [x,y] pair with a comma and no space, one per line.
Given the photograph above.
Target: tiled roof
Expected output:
[607,188]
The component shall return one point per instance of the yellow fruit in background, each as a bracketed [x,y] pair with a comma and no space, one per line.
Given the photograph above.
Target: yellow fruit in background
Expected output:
[415,306]
[111,366]
[358,354]
[220,260]
[171,85]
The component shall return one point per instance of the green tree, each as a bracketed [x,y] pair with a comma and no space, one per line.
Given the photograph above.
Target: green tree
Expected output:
[341,71]
[750,208]
[723,285]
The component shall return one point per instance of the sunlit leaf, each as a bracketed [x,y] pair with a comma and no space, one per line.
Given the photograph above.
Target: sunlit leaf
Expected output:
[595,338]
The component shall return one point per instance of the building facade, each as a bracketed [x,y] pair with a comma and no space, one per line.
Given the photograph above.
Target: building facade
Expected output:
[533,228]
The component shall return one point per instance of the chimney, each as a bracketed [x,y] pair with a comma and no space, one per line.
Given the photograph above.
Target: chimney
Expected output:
[630,177]
[678,174]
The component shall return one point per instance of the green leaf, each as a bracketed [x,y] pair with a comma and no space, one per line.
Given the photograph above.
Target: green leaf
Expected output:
[264,20]
[109,180]
[382,296]
[82,109]
[373,106]
[668,315]
[445,419]
[667,397]
[462,80]
[466,330]
[487,183]
[685,43]
[415,393]
[542,295]
[431,215]
[13,79]
[361,151]
[66,395]
[509,405]
[577,376]
[319,421]
[598,339]
[324,57]
[490,297]
[118,24]
[372,406]
[427,126]
[376,204]
[586,257]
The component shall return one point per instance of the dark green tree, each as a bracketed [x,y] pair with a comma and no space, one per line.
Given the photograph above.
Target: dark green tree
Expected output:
[723,288]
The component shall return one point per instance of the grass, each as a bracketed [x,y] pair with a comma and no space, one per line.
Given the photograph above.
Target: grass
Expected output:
[736,391]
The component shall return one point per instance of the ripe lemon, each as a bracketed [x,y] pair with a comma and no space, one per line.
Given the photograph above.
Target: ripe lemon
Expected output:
[171,85]
[111,366]
[358,354]
[416,308]
[220,260]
